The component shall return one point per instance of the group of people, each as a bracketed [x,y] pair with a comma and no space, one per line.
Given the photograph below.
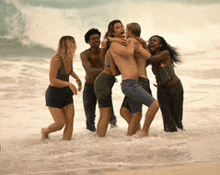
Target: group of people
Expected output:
[123,52]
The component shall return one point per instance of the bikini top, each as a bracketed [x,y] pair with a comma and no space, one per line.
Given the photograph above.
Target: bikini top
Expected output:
[61,74]
[164,74]
[107,63]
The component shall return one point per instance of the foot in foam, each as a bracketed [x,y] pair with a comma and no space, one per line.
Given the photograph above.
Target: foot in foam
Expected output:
[43,134]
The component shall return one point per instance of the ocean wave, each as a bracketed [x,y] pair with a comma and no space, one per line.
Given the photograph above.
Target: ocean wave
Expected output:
[35,27]
[13,47]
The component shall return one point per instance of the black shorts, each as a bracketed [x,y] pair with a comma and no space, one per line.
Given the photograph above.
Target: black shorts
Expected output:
[103,89]
[58,97]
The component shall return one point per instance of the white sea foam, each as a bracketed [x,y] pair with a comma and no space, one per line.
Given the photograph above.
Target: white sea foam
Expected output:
[191,28]
[24,81]
[23,114]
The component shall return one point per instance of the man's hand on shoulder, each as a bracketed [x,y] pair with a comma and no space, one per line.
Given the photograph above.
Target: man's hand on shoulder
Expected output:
[142,41]
[121,41]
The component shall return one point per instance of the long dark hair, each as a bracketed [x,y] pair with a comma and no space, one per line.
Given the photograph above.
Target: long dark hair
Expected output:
[110,31]
[172,50]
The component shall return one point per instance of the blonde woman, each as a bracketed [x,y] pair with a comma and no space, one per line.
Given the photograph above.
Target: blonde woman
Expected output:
[59,95]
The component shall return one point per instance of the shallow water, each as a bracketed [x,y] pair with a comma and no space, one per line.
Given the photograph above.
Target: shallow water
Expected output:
[23,114]
[28,39]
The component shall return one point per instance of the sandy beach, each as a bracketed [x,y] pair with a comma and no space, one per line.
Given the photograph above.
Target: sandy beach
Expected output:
[208,168]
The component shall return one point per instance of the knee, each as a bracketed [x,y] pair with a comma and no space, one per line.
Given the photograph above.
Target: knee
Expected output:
[60,125]
[123,111]
[155,105]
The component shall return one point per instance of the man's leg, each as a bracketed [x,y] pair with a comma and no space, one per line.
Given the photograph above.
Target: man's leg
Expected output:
[136,115]
[149,117]
[134,123]
[126,114]
[113,120]
[89,102]
[136,92]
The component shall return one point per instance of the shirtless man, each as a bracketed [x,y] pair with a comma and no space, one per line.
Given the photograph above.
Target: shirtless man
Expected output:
[133,30]
[93,62]
[124,59]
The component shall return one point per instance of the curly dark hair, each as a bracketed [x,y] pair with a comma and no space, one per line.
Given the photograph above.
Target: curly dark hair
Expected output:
[172,50]
[91,32]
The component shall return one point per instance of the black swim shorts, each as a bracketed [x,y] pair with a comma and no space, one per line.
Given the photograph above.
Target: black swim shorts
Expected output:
[58,97]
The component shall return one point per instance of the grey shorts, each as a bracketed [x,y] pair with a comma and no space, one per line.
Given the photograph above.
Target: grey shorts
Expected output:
[145,83]
[136,93]
[103,89]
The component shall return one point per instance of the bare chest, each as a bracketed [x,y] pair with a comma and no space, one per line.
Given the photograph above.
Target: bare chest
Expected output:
[96,61]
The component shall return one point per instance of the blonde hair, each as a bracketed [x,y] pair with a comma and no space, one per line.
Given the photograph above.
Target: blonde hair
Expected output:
[66,48]
[134,28]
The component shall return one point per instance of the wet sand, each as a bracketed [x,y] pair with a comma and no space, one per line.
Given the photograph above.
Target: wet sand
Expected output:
[205,168]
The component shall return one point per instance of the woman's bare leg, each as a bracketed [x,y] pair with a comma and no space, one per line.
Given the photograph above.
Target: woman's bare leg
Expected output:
[105,117]
[59,122]
[69,118]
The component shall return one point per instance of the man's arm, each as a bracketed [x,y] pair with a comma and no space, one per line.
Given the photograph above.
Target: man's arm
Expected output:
[143,42]
[123,50]
[141,48]
[143,52]
[102,54]
[87,66]
[109,40]
[122,41]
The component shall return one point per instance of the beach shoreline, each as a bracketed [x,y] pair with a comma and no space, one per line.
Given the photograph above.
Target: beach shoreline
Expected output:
[195,168]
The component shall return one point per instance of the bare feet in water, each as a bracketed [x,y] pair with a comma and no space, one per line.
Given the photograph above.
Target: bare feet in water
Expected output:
[143,134]
[43,134]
